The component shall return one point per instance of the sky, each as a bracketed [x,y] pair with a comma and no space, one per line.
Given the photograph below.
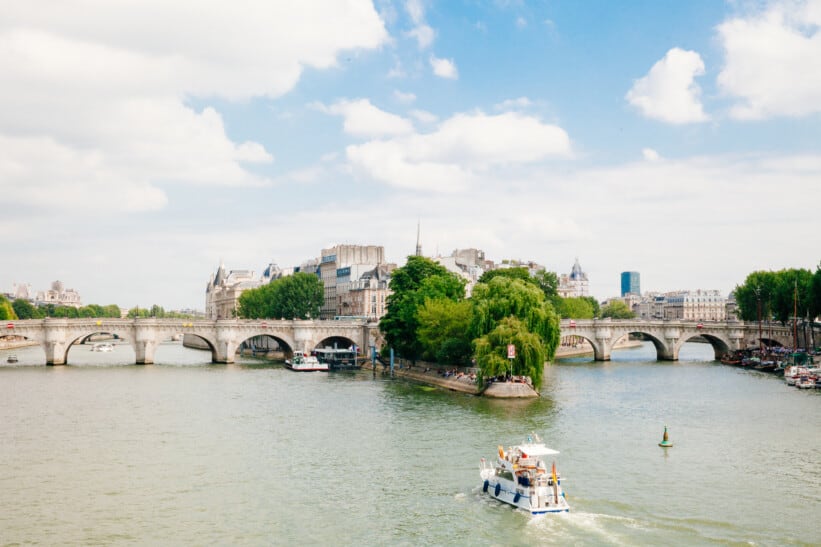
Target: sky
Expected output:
[144,143]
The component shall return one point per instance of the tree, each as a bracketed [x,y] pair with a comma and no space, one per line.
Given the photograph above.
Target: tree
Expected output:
[575,308]
[504,298]
[755,295]
[26,310]
[815,293]
[549,283]
[594,304]
[418,279]
[491,352]
[6,309]
[298,296]
[520,272]
[443,330]
[617,309]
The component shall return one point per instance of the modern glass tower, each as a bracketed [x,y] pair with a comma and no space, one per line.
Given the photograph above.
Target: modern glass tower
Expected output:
[630,283]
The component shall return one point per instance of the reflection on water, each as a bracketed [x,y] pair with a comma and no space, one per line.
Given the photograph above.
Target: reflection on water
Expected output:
[185,452]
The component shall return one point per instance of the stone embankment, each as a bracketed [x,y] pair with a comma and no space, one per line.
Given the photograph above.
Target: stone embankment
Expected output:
[431,375]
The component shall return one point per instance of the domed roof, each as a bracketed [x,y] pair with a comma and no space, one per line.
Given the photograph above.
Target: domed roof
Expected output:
[576,272]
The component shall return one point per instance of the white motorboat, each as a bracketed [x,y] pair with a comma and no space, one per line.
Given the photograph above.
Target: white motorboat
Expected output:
[104,346]
[520,477]
[793,372]
[305,362]
[11,358]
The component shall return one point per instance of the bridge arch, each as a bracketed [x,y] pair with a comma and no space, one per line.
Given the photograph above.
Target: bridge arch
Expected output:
[599,350]
[662,349]
[721,346]
[260,343]
[335,341]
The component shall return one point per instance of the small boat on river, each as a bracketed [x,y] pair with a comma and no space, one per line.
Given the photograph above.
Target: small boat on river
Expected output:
[305,362]
[11,358]
[338,359]
[520,478]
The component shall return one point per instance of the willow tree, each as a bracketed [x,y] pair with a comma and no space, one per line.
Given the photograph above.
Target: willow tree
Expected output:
[500,299]
[492,357]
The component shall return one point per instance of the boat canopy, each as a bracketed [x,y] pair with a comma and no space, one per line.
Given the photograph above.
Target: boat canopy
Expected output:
[532,449]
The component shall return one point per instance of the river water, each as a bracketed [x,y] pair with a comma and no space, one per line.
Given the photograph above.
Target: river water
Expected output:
[188,453]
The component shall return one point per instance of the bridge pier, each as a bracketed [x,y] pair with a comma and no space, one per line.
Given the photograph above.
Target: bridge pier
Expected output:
[55,352]
[601,349]
[145,351]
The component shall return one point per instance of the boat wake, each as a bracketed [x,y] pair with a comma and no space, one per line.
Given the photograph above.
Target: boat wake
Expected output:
[570,526]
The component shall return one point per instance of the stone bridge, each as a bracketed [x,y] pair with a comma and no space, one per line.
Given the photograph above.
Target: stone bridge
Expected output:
[223,337]
[668,336]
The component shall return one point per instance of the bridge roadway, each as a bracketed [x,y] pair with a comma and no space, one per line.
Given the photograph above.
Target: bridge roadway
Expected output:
[224,337]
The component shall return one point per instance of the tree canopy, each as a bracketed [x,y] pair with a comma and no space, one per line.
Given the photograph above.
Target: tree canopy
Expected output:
[298,296]
[775,294]
[443,330]
[6,309]
[575,308]
[498,301]
[420,279]
[617,309]
[491,352]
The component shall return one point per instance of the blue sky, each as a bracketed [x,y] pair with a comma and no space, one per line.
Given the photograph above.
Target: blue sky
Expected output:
[143,143]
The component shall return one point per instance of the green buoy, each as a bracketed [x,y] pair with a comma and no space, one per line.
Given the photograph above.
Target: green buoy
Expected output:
[665,441]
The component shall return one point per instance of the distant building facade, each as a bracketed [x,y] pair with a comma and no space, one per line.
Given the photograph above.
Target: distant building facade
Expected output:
[339,267]
[574,284]
[699,305]
[469,264]
[224,289]
[58,295]
[630,283]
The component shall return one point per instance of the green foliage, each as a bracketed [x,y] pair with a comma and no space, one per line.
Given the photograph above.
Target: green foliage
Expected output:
[68,312]
[26,310]
[594,304]
[576,308]
[754,296]
[298,296]
[508,310]
[503,297]
[443,330]
[617,309]
[6,309]
[418,280]
[774,293]
[491,352]
[815,293]
[549,283]
[513,273]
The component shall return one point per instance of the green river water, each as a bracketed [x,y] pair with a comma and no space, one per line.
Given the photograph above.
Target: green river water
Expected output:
[183,452]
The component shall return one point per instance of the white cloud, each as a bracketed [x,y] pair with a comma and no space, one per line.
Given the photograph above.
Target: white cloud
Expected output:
[772,61]
[669,93]
[423,33]
[449,158]
[424,116]
[444,68]
[362,119]
[102,90]
[416,11]
[513,104]
[650,155]
[521,22]
[403,97]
